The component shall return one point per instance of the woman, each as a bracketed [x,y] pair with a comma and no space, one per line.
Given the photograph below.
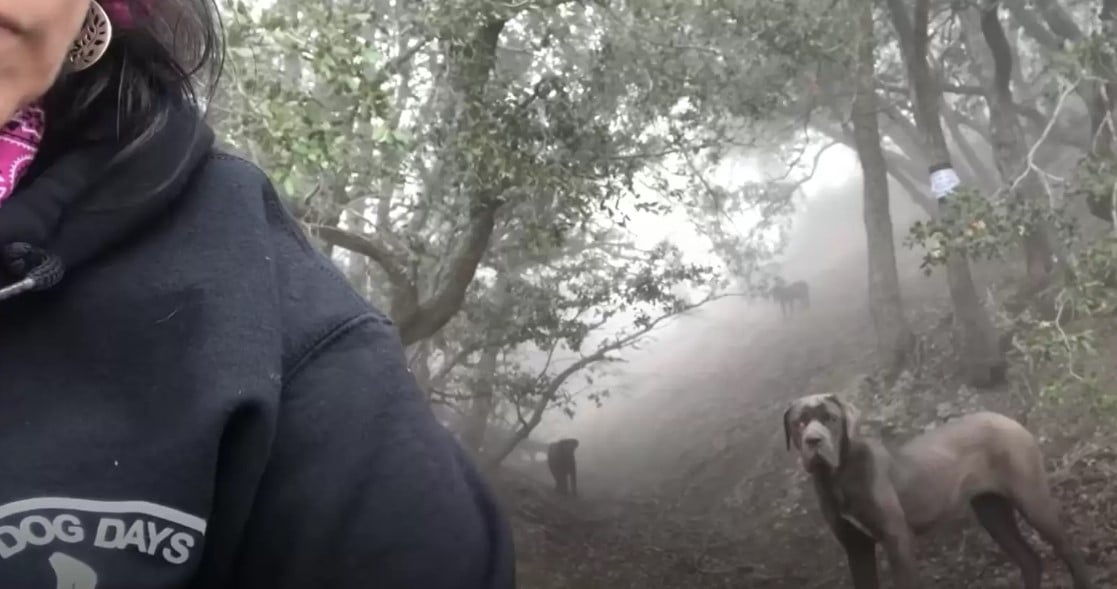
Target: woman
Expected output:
[190,395]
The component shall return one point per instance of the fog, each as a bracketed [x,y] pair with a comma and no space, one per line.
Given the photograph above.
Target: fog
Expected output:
[710,380]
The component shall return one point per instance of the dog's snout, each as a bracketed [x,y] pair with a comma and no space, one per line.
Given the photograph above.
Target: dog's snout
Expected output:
[812,440]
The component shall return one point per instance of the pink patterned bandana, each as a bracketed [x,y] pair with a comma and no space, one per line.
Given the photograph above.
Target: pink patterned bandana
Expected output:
[20,137]
[120,11]
[19,141]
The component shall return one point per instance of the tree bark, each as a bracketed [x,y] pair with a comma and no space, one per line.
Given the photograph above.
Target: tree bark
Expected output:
[980,357]
[482,404]
[420,367]
[894,336]
[358,273]
[980,171]
[428,317]
[1010,146]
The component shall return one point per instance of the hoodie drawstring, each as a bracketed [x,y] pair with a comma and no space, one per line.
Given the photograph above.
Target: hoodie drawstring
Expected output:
[38,269]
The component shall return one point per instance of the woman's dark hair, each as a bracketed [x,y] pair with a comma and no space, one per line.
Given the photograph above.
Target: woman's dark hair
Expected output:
[169,56]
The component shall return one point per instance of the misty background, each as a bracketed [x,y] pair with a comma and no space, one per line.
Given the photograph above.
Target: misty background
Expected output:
[579,215]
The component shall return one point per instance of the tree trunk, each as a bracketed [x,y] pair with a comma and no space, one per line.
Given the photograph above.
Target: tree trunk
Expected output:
[979,353]
[894,337]
[1109,104]
[977,165]
[358,274]
[471,64]
[420,367]
[1010,147]
[482,404]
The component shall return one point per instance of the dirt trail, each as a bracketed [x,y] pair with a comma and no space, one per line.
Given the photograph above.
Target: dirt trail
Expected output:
[690,486]
[735,512]
[705,526]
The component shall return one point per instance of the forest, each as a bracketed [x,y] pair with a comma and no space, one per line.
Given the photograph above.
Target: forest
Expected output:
[580,213]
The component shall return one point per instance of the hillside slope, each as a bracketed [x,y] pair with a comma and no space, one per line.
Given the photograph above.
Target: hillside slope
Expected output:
[687,483]
[720,503]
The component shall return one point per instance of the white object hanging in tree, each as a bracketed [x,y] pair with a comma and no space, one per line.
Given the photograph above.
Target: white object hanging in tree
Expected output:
[943,182]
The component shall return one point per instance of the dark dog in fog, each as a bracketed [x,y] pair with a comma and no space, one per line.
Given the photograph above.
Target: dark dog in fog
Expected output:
[787,295]
[564,469]
[868,494]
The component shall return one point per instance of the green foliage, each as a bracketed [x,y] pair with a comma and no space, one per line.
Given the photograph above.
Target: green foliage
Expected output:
[404,122]
[1096,182]
[983,228]
[304,90]
[1055,343]
[1093,56]
[1061,353]
[970,225]
[1055,339]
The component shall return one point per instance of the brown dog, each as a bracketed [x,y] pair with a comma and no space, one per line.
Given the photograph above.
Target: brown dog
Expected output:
[560,459]
[868,494]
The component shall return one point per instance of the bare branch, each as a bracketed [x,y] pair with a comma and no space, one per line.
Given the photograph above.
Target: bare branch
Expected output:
[365,245]
[549,391]
[429,316]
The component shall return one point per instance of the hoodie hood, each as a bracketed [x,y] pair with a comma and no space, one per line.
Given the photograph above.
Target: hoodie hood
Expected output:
[81,203]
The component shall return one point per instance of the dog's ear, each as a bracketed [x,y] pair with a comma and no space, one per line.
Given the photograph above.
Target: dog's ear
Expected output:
[850,416]
[787,425]
[853,419]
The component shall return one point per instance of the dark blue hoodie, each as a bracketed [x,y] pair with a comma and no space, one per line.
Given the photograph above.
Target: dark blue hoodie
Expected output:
[191,396]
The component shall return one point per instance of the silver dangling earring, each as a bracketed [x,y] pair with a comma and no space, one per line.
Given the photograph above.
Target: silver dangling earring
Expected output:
[93,40]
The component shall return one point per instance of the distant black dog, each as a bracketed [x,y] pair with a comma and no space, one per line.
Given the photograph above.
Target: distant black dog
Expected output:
[789,294]
[560,459]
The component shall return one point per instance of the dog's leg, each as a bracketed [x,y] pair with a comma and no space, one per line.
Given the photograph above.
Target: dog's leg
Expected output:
[1038,507]
[900,550]
[896,536]
[860,548]
[996,515]
[861,553]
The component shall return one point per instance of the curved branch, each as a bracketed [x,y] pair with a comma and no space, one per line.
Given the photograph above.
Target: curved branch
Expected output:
[1001,53]
[426,318]
[603,353]
[364,245]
